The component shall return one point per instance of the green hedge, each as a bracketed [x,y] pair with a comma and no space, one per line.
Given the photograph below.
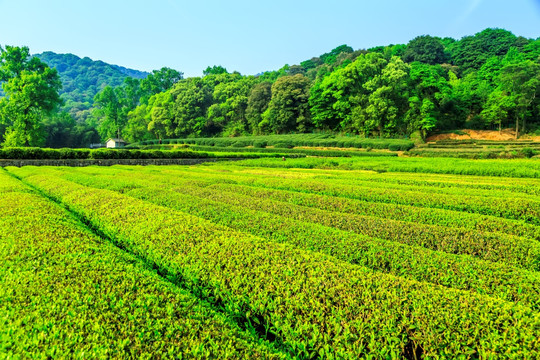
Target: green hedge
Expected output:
[480,153]
[293,140]
[516,168]
[287,151]
[48,154]
[41,153]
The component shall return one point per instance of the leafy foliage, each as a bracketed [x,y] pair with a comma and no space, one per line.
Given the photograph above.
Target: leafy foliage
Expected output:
[312,286]
[430,84]
[288,108]
[31,92]
[66,292]
[425,49]
[83,78]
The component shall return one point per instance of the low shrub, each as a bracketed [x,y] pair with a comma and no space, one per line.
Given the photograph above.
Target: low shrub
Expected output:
[259,144]
[283,145]
[528,152]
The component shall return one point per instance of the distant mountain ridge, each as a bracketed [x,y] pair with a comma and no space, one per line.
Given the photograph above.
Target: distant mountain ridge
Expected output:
[130,72]
[83,78]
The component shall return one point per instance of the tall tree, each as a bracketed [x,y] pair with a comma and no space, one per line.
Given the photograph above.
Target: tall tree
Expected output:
[387,101]
[215,70]
[137,124]
[161,118]
[521,81]
[192,98]
[472,52]
[159,81]
[31,92]
[258,101]
[430,91]
[336,101]
[289,109]
[426,49]
[498,107]
[229,109]
[109,109]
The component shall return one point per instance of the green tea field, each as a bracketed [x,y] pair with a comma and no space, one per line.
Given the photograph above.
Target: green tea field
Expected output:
[308,258]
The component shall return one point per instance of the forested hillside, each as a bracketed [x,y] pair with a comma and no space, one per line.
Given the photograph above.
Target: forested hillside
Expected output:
[490,80]
[83,78]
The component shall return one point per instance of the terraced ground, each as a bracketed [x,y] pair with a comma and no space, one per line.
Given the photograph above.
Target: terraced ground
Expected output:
[478,149]
[304,258]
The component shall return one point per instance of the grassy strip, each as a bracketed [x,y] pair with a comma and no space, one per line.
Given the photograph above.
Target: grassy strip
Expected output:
[434,190]
[459,272]
[507,186]
[379,181]
[520,168]
[455,142]
[520,185]
[474,153]
[317,305]
[66,294]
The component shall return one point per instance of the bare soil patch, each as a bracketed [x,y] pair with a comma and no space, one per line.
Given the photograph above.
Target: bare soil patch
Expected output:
[494,135]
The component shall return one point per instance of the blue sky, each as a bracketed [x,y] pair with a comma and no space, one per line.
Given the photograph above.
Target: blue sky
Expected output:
[247,36]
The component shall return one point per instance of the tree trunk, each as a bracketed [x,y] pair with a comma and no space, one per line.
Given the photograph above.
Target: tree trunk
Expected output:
[517,127]
[525,115]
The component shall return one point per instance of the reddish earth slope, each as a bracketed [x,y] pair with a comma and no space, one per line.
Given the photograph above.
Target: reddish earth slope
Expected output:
[504,135]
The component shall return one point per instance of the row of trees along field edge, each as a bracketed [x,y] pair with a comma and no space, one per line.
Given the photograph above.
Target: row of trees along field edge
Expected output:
[489,80]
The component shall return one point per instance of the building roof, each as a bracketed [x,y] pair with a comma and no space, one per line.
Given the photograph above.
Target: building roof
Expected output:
[116,140]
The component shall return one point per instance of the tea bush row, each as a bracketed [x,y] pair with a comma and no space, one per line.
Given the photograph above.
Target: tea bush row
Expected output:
[460,272]
[41,153]
[525,209]
[517,168]
[289,141]
[64,293]
[316,305]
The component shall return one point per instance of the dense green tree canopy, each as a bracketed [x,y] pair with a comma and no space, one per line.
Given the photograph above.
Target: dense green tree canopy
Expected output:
[215,70]
[520,82]
[472,52]
[288,108]
[425,49]
[487,80]
[337,95]
[258,101]
[31,93]
[159,81]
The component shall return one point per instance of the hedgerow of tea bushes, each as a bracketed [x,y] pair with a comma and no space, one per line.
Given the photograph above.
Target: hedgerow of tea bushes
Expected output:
[315,304]
[460,272]
[64,293]
[518,168]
